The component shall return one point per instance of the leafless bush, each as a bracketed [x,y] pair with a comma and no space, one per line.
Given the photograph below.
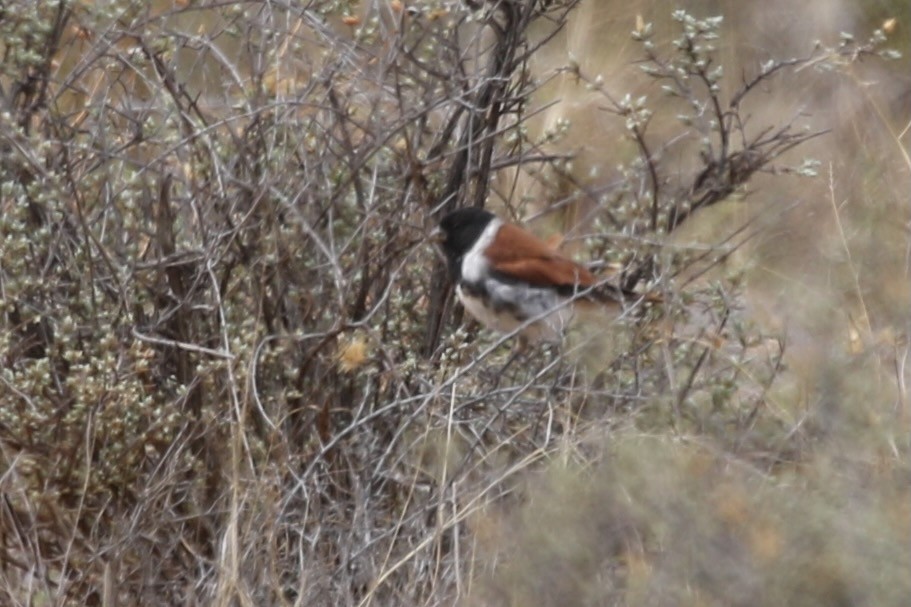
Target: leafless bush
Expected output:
[231,368]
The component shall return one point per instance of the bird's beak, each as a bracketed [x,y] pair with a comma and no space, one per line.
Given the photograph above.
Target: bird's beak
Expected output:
[436,239]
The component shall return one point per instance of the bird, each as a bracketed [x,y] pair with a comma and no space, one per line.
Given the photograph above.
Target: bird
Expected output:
[512,281]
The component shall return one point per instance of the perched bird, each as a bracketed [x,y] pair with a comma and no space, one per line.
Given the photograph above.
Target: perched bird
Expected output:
[507,277]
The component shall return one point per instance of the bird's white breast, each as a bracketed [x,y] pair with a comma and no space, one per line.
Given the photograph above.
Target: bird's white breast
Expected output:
[474,264]
[544,314]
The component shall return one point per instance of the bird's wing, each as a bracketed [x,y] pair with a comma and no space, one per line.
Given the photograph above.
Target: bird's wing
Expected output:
[521,255]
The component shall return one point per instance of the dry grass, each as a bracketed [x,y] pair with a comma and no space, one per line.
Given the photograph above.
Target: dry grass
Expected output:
[232,373]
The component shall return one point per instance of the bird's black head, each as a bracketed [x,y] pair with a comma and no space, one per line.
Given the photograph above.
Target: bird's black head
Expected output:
[461,229]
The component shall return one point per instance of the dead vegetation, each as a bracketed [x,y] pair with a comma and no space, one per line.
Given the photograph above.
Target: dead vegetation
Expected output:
[232,372]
